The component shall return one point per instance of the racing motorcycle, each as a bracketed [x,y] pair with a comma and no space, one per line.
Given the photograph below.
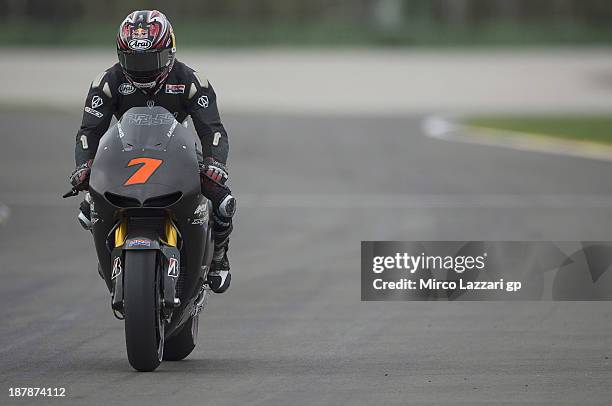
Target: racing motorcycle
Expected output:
[152,233]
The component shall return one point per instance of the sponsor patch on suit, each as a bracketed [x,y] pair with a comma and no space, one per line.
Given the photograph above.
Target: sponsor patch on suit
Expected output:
[93,112]
[175,89]
[126,89]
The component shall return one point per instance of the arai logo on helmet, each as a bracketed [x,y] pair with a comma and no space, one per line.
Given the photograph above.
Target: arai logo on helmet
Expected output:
[140,44]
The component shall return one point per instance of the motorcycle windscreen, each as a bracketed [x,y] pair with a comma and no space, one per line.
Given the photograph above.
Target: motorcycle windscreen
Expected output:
[148,129]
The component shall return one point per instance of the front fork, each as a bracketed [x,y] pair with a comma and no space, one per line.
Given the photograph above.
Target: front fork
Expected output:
[167,246]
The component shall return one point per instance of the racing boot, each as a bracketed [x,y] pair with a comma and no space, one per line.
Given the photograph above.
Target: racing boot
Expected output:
[219,276]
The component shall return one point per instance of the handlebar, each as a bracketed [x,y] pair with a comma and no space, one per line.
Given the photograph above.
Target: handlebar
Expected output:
[72,192]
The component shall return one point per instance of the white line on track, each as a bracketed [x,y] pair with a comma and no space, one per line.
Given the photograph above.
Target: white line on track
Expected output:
[448,129]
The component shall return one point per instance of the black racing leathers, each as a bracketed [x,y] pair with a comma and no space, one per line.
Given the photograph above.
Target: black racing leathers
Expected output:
[184,93]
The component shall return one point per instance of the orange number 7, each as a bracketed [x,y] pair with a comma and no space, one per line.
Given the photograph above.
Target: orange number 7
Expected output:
[142,175]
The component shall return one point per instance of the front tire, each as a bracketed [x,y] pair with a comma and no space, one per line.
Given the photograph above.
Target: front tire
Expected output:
[182,344]
[144,328]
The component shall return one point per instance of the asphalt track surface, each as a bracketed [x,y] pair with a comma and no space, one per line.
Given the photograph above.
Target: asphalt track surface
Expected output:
[292,329]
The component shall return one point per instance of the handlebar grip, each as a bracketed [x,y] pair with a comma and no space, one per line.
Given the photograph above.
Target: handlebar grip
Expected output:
[72,192]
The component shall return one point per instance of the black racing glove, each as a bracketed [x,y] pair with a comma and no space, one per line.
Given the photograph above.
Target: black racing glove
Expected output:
[80,176]
[213,176]
[213,170]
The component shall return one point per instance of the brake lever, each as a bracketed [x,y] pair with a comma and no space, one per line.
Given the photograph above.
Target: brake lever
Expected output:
[72,192]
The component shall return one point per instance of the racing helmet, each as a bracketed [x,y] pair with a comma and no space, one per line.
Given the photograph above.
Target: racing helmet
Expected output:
[146,49]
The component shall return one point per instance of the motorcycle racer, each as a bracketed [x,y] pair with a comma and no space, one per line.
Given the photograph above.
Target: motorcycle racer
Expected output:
[148,74]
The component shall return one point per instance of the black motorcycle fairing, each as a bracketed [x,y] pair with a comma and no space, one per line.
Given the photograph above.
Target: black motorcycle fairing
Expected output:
[173,185]
[131,141]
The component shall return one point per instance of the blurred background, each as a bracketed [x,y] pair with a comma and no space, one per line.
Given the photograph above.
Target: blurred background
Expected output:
[349,121]
[319,22]
[450,56]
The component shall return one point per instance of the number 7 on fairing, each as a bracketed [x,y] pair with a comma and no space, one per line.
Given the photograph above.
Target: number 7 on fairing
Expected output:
[142,175]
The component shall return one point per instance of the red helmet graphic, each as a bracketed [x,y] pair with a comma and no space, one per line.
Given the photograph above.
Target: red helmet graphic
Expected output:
[146,49]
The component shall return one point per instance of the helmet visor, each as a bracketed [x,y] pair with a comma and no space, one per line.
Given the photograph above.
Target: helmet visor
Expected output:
[143,63]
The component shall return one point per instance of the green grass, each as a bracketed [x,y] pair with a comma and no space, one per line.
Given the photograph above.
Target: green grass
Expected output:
[314,33]
[582,128]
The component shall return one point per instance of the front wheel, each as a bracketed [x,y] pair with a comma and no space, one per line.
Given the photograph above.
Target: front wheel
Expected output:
[144,327]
